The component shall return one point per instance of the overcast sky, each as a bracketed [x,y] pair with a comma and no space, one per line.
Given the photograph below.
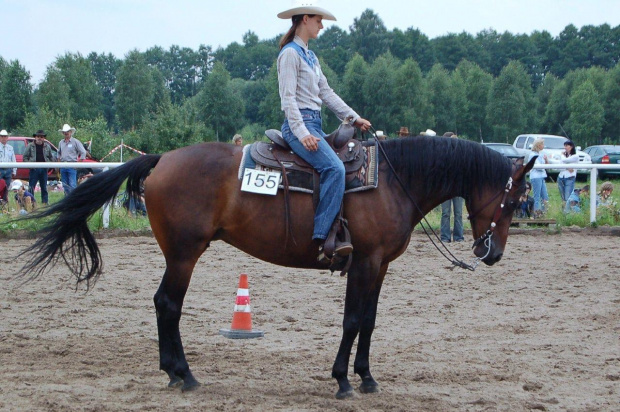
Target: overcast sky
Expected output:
[37,31]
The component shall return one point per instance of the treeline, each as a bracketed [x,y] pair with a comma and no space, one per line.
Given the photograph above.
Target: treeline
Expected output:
[490,86]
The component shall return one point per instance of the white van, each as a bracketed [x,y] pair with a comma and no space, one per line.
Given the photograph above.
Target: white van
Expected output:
[554,147]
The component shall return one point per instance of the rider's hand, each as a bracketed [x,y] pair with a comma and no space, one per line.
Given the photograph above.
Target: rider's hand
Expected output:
[310,142]
[363,124]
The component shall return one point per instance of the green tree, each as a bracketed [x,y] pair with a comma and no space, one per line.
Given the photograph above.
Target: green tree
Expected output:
[477,88]
[587,114]
[270,107]
[15,95]
[379,88]
[543,98]
[369,35]
[104,67]
[334,46]
[412,44]
[355,74]
[611,102]
[440,97]
[84,94]
[219,106]
[411,98]
[511,103]
[135,91]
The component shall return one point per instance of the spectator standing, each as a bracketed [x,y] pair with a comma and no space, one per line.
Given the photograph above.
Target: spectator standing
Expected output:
[6,155]
[69,150]
[566,178]
[237,140]
[403,132]
[537,177]
[39,152]
[456,204]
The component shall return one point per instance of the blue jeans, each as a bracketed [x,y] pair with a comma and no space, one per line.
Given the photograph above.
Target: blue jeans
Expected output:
[69,179]
[566,185]
[7,175]
[329,167]
[539,191]
[39,176]
[457,234]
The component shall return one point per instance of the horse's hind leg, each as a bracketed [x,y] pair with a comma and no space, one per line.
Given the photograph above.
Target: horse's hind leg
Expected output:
[168,304]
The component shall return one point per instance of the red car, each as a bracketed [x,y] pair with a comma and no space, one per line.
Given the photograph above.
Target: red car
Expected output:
[20,143]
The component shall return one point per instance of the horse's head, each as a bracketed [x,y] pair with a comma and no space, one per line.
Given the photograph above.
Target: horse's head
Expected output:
[492,212]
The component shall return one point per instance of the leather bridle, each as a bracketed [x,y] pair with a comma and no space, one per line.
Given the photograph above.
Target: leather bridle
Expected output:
[486,237]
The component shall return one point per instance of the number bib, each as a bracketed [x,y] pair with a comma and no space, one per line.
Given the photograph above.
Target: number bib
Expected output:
[260,181]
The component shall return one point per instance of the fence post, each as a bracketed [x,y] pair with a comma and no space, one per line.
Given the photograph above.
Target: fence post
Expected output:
[593,173]
[106,209]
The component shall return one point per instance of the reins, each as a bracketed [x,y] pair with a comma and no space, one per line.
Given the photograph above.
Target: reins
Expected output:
[486,238]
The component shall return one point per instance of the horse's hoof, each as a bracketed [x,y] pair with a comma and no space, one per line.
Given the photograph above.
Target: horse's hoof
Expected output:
[350,394]
[188,387]
[371,387]
[175,382]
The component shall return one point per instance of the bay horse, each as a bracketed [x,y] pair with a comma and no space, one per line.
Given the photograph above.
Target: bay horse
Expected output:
[415,175]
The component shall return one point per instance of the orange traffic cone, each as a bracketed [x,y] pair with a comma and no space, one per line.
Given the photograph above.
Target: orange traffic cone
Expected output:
[241,327]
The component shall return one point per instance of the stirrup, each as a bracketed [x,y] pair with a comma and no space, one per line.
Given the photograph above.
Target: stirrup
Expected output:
[343,248]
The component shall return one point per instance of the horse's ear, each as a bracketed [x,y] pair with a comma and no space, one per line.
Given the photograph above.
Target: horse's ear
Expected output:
[521,171]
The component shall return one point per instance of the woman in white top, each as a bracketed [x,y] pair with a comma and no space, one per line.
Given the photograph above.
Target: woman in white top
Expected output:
[537,177]
[303,90]
[566,178]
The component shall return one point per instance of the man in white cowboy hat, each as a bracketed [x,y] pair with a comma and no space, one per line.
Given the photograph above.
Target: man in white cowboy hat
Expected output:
[69,150]
[6,155]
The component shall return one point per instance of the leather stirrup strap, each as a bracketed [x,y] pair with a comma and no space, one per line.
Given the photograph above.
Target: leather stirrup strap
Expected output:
[287,212]
[316,189]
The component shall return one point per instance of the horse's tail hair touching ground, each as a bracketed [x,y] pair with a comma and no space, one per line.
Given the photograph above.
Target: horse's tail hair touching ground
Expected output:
[67,237]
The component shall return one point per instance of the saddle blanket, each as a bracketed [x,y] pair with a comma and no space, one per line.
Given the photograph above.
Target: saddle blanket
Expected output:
[366,178]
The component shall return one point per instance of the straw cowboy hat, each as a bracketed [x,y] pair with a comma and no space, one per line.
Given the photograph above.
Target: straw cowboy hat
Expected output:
[306,7]
[3,133]
[67,128]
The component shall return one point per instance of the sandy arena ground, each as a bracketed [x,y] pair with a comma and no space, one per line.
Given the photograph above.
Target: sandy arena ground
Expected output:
[539,331]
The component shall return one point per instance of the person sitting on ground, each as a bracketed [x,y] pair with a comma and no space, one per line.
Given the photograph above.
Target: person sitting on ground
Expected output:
[574,201]
[526,203]
[604,198]
[24,198]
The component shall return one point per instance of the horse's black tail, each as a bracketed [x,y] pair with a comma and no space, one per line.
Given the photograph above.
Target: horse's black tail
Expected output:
[67,237]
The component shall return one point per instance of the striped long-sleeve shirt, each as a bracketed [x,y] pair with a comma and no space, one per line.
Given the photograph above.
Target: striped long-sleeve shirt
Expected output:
[304,86]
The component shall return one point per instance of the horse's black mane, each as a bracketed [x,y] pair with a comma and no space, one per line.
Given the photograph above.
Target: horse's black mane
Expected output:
[436,159]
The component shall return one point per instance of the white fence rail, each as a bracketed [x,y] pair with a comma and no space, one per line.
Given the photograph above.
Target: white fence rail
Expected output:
[106,217]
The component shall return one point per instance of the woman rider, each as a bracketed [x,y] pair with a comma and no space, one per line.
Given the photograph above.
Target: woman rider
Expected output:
[303,89]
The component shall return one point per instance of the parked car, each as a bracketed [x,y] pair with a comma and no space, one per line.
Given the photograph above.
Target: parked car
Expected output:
[554,147]
[606,155]
[504,148]
[19,144]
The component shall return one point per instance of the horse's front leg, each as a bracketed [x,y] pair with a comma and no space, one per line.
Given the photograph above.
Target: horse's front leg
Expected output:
[361,365]
[359,281]
[168,305]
